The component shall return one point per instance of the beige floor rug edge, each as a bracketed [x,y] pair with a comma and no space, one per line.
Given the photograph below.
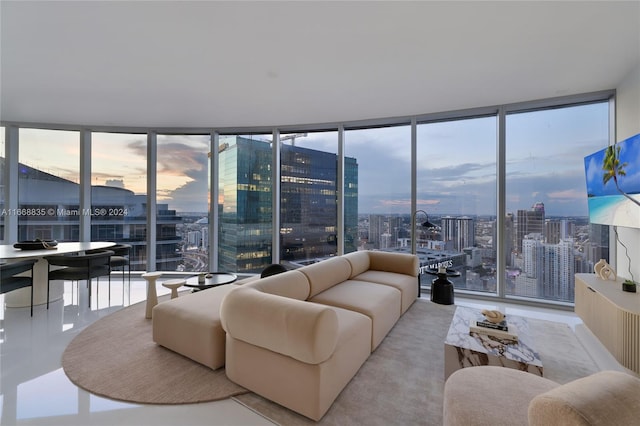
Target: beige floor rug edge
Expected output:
[115,357]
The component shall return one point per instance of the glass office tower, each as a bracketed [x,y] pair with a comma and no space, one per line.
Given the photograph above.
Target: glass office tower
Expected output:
[308,204]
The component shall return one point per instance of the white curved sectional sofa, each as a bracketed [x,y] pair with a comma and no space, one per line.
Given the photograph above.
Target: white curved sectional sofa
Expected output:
[297,338]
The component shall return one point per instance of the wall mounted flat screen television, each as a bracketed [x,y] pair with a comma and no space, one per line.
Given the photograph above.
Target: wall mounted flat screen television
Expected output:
[613,184]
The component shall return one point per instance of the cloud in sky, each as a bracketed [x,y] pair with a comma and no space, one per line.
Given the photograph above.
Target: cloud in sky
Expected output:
[183,167]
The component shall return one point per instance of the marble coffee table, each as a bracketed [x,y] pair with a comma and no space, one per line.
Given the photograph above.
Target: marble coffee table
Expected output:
[463,349]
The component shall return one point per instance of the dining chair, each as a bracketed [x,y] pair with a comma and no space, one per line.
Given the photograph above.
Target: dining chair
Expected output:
[9,280]
[120,259]
[81,267]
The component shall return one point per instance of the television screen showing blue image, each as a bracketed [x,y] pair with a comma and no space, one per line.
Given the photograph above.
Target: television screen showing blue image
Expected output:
[613,184]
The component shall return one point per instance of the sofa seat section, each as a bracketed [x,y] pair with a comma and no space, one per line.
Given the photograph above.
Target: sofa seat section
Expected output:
[407,285]
[379,302]
[190,325]
[301,376]
[397,270]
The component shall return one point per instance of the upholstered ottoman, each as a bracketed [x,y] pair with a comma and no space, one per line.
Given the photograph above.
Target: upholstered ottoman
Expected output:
[495,396]
[488,395]
[190,325]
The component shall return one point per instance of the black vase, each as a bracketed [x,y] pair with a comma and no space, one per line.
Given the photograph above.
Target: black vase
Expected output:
[442,290]
[630,287]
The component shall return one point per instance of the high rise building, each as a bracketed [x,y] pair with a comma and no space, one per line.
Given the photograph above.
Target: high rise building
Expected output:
[559,270]
[528,283]
[552,231]
[308,204]
[377,228]
[458,230]
[508,237]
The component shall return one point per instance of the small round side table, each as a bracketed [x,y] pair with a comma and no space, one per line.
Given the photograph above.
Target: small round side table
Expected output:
[152,294]
[174,285]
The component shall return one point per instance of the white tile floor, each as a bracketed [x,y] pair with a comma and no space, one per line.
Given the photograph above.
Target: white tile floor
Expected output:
[35,390]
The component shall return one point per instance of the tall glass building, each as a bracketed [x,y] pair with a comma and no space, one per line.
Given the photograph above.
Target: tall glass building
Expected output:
[308,204]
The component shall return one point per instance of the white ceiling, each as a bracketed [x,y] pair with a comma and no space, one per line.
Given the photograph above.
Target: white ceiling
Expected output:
[229,64]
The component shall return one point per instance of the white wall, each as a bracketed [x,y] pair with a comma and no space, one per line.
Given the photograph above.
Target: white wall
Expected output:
[628,124]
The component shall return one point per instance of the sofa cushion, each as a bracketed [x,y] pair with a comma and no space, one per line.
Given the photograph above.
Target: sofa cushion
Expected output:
[326,274]
[401,263]
[406,284]
[302,330]
[359,261]
[604,398]
[291,284]
[379,302]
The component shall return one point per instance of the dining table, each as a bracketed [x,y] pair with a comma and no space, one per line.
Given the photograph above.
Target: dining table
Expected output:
[21,297]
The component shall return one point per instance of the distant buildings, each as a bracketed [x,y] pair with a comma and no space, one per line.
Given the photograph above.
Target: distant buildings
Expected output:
[529,222]
[460,231]
[49,209]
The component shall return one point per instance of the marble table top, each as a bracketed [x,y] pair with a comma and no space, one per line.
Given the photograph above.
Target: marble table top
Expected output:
[522,351]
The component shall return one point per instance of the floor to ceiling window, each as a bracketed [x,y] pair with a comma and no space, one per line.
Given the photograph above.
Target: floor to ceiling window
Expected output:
[544,239]
[245,203]
[378,177]
[548,231]
[119,192]
[308,203]
[48,185]
[456,188]
[183,202]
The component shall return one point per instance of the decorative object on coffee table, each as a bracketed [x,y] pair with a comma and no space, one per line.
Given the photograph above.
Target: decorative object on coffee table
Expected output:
[493,316]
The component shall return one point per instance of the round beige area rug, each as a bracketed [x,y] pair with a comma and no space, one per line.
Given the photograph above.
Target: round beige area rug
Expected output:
[115,357]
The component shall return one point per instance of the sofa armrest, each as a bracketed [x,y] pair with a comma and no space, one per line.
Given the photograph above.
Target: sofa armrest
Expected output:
[401,263]
[302,330]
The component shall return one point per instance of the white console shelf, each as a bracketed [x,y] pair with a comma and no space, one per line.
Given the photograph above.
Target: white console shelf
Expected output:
[612,315]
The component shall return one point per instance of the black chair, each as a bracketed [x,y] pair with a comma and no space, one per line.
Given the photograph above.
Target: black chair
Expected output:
[81,267]
[9,281]
[273,269]
[120,259]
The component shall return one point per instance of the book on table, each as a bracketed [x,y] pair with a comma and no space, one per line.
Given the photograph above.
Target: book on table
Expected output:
[502,325]
[510,333]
